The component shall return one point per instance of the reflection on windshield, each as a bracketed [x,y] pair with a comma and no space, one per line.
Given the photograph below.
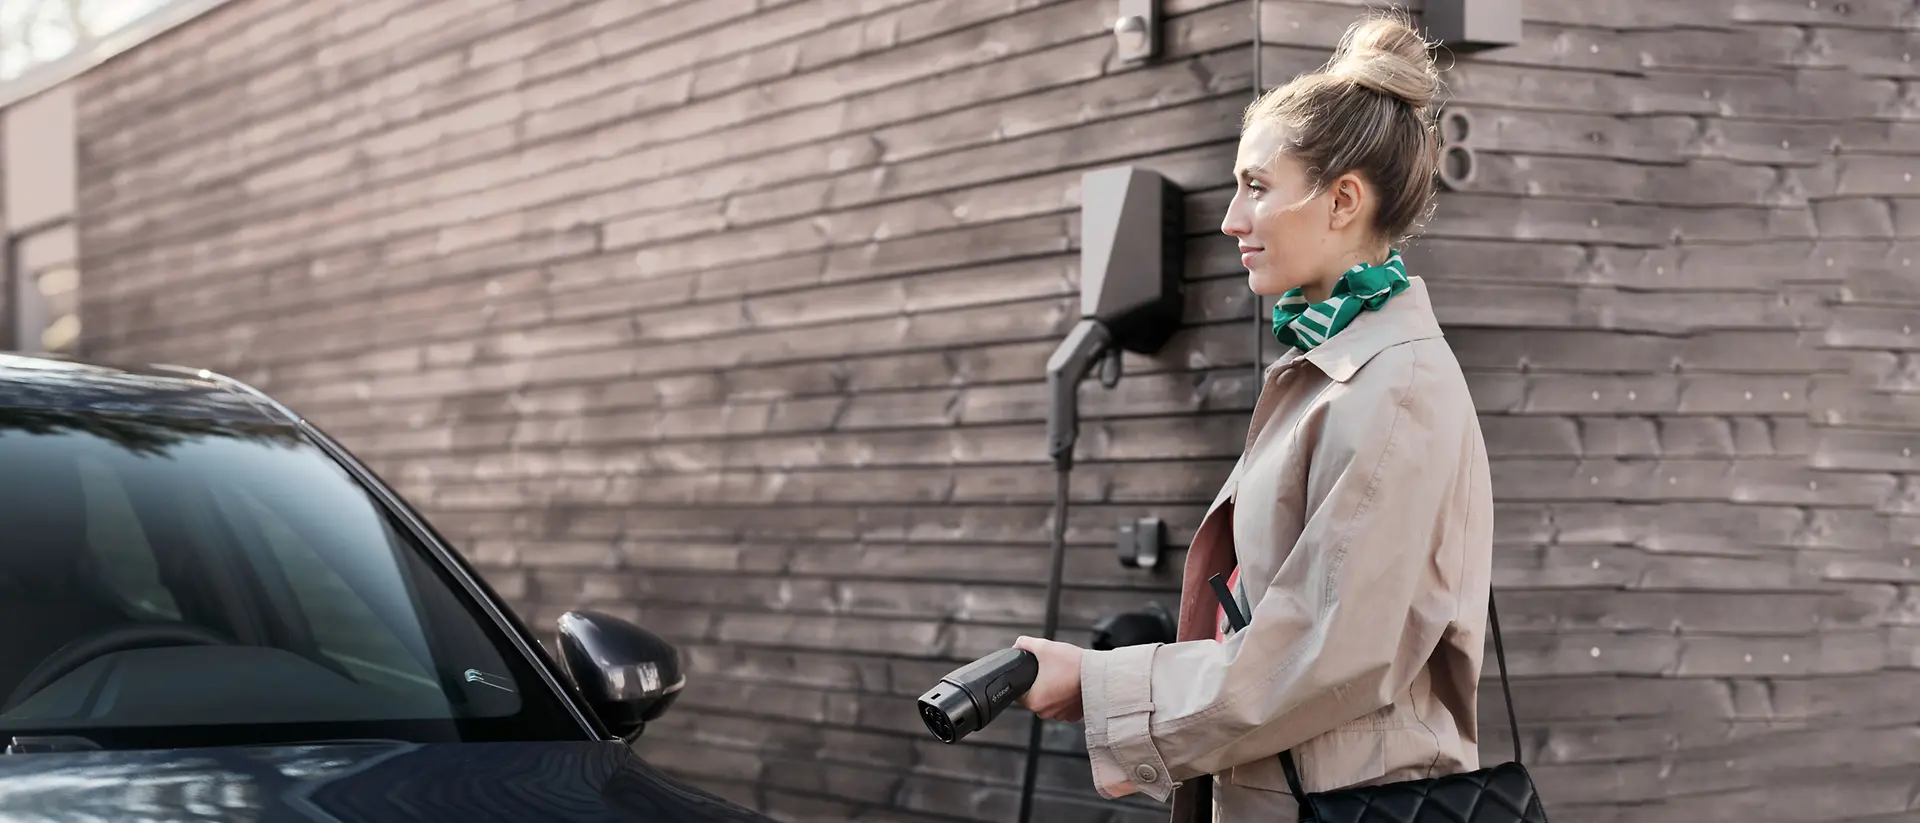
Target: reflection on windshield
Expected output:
[144,434]
[54,384]
[199,572]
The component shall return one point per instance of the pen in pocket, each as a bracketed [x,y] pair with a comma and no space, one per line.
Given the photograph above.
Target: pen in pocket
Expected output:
[1227,603]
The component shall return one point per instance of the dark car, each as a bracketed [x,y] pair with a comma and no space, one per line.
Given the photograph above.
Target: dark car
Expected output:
[209,611]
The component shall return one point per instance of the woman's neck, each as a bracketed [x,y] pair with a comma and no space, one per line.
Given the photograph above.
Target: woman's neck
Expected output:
[1321,289]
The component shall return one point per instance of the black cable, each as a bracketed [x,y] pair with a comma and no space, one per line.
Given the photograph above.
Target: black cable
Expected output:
[1052,625]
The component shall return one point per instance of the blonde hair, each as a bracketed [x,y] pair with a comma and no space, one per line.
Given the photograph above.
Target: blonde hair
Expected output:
[1367,111]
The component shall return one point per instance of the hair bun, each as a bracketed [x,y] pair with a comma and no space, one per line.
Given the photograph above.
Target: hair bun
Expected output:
[1387,56]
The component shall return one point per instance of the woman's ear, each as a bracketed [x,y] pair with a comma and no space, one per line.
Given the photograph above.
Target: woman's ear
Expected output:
[1348,201]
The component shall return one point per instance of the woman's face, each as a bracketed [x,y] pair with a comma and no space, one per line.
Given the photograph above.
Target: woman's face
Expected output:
[1286,239]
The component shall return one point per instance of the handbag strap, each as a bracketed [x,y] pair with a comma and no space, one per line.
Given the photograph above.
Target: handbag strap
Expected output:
[1513,722]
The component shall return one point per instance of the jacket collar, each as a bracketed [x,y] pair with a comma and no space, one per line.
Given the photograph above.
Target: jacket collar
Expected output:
[1407,317]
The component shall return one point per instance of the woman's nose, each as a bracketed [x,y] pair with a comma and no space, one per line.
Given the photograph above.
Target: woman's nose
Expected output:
[1233,224]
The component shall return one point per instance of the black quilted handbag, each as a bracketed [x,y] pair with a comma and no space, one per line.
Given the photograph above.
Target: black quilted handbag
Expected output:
[1497,794]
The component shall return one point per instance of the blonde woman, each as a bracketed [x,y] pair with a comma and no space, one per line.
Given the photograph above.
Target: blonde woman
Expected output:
[1357,526]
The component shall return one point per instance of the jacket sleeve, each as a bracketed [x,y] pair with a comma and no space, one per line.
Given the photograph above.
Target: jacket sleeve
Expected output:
[1352,613]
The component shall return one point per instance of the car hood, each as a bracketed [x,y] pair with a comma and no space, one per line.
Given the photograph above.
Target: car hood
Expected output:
[601,782]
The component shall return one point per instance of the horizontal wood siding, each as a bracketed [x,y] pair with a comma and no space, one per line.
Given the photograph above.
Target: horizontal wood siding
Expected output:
[1682,288]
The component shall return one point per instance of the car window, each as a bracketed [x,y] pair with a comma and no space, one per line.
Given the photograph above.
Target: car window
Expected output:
[236,584]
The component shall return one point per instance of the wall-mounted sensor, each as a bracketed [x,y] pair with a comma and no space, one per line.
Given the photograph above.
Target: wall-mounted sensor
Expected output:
[1473,25]
[1137,32]
[1138,542]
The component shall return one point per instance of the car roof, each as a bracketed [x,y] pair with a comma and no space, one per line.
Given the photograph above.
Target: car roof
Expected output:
[49,382]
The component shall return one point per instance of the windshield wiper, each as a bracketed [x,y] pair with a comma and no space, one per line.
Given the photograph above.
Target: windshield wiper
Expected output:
[46,744]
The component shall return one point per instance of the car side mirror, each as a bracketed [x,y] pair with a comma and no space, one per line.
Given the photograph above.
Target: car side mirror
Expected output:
[627,674]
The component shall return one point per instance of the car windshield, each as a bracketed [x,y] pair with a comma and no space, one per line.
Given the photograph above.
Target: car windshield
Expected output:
[181,581]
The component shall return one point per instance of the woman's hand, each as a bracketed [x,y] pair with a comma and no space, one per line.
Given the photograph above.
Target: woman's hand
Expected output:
[1056,690]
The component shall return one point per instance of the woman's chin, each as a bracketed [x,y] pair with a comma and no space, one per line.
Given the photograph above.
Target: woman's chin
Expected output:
[1266,285]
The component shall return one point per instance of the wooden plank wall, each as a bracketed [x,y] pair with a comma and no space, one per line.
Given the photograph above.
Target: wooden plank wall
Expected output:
[1684,282]
[729,316]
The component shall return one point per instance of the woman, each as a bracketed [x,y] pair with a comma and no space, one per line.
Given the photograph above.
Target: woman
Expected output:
[1357,526]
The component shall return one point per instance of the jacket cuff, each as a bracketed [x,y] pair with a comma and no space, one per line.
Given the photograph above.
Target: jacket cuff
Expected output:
[1116,692]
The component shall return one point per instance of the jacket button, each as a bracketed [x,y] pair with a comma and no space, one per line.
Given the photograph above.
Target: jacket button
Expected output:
[1146,773]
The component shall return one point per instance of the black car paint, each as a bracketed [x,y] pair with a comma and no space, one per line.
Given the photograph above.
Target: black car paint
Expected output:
[596,777]
[557,782]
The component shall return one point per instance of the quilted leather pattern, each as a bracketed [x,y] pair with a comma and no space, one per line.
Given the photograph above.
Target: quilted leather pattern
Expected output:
[1499,794]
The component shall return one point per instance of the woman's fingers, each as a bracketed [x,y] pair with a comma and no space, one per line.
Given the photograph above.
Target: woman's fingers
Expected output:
[1055,694]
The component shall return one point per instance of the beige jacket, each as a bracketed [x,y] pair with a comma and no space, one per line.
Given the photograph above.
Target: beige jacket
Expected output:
[1361,517]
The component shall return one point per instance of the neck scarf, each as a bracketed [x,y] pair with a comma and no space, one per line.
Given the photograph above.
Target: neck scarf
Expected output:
[1363,288]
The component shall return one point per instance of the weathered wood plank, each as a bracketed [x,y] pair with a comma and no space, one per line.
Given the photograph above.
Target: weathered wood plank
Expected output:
[1873,327]
[1474,216]
[1596,351]
[1744,481]
[1573,178]
[1681,528]
[1871,52]
[1841,402]
[1619,15]
[1686,613]
[1871,176]
[1868,450]
[1817,13]
[1750,48]
[1580,134]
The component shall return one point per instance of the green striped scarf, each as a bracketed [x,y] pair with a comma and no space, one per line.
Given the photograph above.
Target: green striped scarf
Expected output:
[1364,287]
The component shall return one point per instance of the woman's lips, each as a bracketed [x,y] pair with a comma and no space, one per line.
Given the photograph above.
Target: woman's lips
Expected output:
[1247,253]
